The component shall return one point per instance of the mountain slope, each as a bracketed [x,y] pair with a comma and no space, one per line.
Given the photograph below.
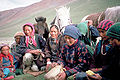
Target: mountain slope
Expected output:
[79,8]
[10,15]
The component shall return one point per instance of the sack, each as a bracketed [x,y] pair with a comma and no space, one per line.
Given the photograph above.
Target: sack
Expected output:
[52,74]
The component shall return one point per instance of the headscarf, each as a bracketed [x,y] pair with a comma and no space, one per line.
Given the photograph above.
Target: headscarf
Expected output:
[72,31]
[9,56]
[114,31]
[105,24]
[83,27]
[32,35]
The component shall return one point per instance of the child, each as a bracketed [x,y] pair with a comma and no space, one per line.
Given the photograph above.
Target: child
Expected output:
[7,61]
[6,58]
[5,74]
[89,33]
[15,47]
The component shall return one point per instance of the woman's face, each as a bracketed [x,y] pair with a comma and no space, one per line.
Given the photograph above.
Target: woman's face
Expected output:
[115,42]
[28,30]
[5,50]
[54,32]
[70,41]
[103,34]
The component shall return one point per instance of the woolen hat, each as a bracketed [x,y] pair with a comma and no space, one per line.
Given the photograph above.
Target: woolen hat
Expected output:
[114,31]
[105,24]
[72,31]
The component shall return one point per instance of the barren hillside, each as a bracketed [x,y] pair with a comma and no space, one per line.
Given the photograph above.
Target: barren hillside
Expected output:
[12,20]
[13,14]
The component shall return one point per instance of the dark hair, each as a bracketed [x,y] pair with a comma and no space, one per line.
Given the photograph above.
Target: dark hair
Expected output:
[55,27]
[1,69]
[27,25]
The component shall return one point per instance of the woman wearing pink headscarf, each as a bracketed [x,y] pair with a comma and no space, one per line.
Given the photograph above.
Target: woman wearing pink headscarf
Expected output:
[31,47]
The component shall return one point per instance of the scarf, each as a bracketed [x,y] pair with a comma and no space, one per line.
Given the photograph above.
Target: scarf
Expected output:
[83,27]
[72,31]
[9,56]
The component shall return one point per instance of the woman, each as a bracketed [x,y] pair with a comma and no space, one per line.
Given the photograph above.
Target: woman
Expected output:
[111,72]
[90,33]
[103,46]
[74,56]
[31,47]
[84,29]
[52,45]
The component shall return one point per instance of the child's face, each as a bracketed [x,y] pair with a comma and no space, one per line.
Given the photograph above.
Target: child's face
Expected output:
[5,50]
[103,34]
[17,39]
[70,41]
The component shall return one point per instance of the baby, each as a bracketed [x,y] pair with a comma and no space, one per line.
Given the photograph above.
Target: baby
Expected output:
[4,73]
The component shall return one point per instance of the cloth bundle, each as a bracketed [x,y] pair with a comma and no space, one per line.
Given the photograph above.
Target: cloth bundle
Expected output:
[52,74]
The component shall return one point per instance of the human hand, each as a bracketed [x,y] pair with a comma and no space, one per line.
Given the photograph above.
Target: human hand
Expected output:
[47,67]
[37,52]
[48,59]
[74,75]
[94,76]
[40,51]
[18,59]
[1,74]
[34,51]
[12,67]
[61,76]
[2,78]
[54,64]
[48,64]
[90,22]
[96,69]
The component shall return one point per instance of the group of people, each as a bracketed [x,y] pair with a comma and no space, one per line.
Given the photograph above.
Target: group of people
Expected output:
[76,50]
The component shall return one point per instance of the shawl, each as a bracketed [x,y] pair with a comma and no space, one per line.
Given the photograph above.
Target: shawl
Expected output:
[10,58]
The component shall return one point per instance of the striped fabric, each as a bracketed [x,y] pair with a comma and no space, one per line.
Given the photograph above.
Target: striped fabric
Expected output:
[105,24]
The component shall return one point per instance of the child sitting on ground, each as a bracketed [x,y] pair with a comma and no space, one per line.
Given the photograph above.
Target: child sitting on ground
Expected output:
[7,62]
[4,74]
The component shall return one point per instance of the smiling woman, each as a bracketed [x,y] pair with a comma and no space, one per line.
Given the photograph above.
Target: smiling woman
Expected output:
[15,3]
